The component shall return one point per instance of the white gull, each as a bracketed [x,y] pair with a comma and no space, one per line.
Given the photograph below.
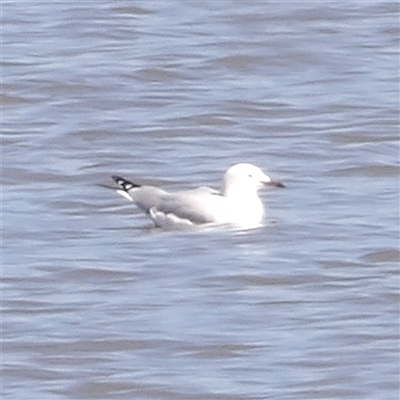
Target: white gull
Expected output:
[237,203]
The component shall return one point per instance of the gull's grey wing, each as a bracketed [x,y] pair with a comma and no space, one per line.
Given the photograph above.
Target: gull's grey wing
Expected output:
[145,197]
[198,206]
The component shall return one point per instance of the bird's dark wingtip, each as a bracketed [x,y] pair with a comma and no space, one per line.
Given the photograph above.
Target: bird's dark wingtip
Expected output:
[123,183]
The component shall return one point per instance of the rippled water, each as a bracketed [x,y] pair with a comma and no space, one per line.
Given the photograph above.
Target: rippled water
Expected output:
[96,303]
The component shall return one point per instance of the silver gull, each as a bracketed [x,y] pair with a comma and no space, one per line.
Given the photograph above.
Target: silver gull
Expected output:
[236,204]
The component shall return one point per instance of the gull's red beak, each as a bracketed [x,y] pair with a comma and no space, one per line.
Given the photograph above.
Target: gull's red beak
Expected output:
[276,183]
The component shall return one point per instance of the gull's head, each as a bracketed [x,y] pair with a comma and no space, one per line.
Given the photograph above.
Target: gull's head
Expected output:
[246,178]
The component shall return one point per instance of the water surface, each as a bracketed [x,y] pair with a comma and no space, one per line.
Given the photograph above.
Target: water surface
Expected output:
[99,305]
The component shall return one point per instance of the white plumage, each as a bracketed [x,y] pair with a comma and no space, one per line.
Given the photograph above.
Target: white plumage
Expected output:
[237,203]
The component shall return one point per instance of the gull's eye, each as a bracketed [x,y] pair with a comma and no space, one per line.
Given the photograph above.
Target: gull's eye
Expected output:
[250,175]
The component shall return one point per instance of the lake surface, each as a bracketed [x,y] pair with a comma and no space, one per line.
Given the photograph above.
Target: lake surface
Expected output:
[98,304]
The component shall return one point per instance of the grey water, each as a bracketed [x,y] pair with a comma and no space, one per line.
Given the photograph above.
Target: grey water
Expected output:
[96,303]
